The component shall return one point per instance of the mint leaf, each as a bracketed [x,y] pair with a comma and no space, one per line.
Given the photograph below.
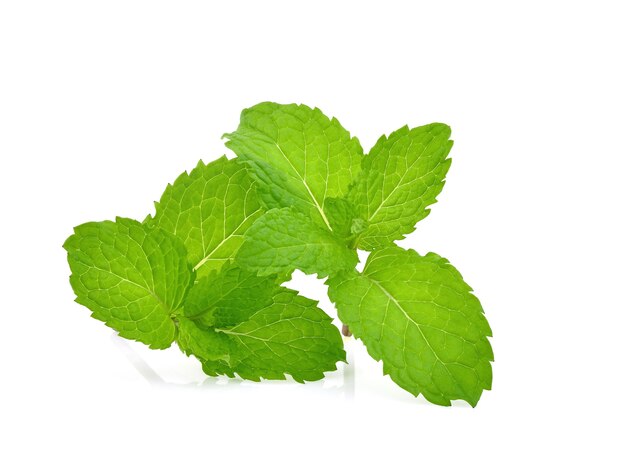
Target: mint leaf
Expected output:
[402,176]
[229,297]
[417,315]
[203,342]
[132,277]
[290,335]
[209,209]
[282,240]
[344,219]
[299,156]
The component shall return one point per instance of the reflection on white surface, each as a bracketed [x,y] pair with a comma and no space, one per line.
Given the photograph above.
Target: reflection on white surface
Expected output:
[153,367]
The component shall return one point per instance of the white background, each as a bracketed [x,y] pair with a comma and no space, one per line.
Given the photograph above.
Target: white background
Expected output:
[103,103]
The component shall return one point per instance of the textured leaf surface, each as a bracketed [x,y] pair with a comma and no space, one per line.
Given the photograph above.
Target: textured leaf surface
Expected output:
[203,342]
[130,276]
[210,209]
[283,240]
[229,297]
[402,176]
[299,156]
[344,219]
[291,336]
[418,315]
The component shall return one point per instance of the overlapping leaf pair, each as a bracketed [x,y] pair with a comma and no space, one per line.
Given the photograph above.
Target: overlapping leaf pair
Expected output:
[205,270]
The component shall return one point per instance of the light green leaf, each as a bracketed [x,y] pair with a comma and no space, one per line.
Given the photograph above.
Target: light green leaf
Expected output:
[132,277]
[291,336]
[299,156]
[209,209]
[283,240]
[402,176]
[417,315]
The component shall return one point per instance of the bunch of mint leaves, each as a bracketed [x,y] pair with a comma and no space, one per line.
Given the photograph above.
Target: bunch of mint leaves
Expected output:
[205,271]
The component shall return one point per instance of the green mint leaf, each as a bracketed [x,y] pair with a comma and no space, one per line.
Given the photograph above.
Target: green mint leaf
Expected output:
[132,277]
[417,315]
[344,218]
[291,336]
[203,342]
[228,297]
[282,240]
[402,176]
[299,156]
[209,209]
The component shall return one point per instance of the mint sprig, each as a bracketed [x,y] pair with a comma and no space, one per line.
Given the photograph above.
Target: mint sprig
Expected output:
[206,270]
